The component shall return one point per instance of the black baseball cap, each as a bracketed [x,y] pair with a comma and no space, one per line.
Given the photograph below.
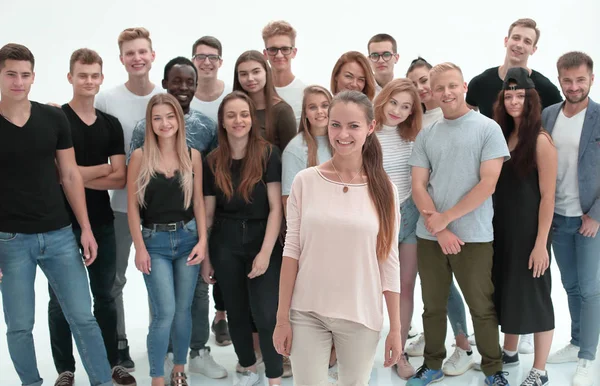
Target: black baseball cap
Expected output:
[517,75]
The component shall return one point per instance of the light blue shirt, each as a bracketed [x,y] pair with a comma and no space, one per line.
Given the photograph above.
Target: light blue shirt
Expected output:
[295,158]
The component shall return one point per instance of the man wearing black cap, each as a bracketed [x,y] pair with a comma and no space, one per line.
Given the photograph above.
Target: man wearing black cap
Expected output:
[520,44]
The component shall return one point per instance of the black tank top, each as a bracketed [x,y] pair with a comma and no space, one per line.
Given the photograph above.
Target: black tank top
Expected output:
[164,201]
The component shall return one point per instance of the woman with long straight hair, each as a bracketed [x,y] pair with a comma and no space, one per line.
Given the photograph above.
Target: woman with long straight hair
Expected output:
[523,212]
[242,189]
[275,118]
[310,147]
[353,72]
[343,223]
[168,226]
[398,115]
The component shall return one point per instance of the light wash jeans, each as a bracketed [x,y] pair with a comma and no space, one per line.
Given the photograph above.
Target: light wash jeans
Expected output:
[58,256]
[170,286]
[578,258]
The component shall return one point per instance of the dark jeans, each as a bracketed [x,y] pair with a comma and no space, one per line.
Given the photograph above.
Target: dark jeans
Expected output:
[102,278]
[218,297]
[233,245]
[472,268]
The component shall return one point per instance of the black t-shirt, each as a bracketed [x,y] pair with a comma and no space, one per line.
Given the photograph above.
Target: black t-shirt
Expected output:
[93,146]
[31,199]
[237,208]
[164,201]
[485,87]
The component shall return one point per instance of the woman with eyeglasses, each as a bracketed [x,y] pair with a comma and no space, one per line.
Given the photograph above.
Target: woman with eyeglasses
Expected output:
[276,119]
[353,72]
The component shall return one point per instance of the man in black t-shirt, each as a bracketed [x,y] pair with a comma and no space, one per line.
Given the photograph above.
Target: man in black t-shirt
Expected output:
[520,44]
[97,137]
[35,228]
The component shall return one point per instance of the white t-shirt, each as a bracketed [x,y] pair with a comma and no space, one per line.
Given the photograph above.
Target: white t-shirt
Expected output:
[128,108]
[293,94]
[566,136]
[211,108]
[432,116]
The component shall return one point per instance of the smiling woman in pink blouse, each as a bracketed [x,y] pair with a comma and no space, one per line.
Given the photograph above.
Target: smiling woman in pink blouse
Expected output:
[341,255]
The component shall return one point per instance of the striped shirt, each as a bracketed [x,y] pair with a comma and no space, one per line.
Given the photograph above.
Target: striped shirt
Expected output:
[396,152]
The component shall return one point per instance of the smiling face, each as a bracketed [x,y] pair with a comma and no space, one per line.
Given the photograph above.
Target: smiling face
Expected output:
[16,78]
[520,45]
[351,77]
[279,61]
[317,106]
[137,57]
[348,128]
[252,76]
[420,78]
[449,90]
[164,121]
[576,83]
[181,83]
[207,61]
[237,120]
[86,79]
[398,108]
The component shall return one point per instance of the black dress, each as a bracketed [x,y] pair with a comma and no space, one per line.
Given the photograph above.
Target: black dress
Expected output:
[523,303]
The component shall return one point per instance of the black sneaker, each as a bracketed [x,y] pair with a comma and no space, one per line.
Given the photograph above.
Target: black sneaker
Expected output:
[536,379]
[66,378]
[510,361]
[221,331]
[125,361]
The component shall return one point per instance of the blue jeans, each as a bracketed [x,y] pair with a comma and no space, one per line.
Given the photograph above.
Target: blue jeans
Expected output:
[170,286]
[578,258]
[409,215]
[456,312]
[58,256]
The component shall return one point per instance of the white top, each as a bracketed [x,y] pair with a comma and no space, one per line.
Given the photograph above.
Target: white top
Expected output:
[566,136]
[396,152]
[128,108]
[211,108]
[432,116]
[293,94]
[378,89]
[333,235]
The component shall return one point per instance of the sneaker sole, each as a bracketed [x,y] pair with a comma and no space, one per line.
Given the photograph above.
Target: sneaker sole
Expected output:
[196,371]
[223,343]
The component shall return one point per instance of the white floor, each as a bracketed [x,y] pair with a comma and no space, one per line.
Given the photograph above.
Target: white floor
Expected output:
[137,327]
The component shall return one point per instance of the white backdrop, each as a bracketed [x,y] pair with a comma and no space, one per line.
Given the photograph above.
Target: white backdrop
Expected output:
[467,32]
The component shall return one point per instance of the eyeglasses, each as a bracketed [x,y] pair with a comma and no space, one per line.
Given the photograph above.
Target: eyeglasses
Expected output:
[374,56]
[284,50]
[202,57]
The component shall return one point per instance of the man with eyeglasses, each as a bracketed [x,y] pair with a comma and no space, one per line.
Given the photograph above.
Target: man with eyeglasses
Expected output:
[207,55]
[383,57]
[280,39]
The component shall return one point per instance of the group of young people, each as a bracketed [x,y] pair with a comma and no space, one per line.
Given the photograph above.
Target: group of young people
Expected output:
[305,208]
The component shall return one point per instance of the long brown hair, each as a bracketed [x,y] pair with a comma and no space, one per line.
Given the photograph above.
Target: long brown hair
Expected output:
[254,162]
[408,129]
[378,182]
[304,126]
[363,62]
[523,156]
[151,156]
[271,96]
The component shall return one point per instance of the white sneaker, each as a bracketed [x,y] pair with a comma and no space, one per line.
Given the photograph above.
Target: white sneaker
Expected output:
[412,332]
[459,363]
[583,374]
[168,367]
[240,369]
[526,344]
[566,354]
[205,364]
[471,339]
[416,348]
[247,378]
[333,374]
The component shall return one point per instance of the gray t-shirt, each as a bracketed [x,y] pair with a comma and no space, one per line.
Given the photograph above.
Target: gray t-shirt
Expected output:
[453,151]
[295,157]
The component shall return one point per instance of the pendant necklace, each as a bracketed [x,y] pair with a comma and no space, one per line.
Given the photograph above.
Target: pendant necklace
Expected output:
[342,181]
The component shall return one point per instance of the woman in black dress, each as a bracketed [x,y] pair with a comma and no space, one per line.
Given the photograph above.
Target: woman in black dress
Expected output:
[523,210]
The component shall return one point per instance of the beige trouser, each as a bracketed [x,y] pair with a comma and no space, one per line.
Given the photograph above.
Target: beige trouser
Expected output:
[313,336]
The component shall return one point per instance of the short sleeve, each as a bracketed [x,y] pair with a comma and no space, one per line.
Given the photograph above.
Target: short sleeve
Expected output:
[418,156]
[285,124]
[291,165]
[116,145]
[208,179]
[273,171]
[100,102]
[494,144]
[472,92]
[63,131]
[137,137]
[389,269]
[293,220]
